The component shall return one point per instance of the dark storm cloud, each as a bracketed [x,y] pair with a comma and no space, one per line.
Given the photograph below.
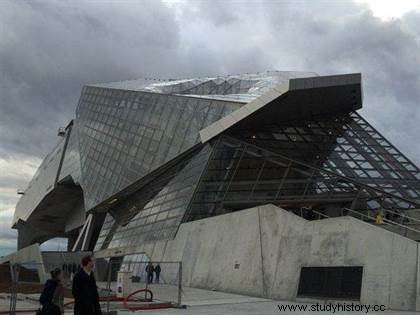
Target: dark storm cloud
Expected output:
[331,37]
[7,235]
[387,53]
[49,50]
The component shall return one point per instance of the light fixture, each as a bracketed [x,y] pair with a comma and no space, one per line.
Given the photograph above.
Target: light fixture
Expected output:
[61,132]
[113,201]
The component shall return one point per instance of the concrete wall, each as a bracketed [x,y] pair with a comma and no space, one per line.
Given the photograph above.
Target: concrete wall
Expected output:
[30,255]
[260,252]
[41,184]
[44,262]
[76,218]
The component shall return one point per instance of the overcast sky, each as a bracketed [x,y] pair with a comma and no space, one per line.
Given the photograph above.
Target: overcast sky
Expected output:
[50,49]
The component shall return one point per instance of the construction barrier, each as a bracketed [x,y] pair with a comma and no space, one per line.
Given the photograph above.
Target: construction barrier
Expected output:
[123,284]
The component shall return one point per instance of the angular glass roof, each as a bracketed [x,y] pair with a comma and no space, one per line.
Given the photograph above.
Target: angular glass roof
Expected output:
[238,88]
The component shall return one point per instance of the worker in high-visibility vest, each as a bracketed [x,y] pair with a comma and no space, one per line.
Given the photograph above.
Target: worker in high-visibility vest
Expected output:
[378,218]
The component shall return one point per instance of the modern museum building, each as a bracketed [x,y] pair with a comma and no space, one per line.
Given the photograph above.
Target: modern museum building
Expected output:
[259,183]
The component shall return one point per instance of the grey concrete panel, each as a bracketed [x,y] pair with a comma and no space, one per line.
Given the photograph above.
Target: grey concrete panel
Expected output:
[260,251]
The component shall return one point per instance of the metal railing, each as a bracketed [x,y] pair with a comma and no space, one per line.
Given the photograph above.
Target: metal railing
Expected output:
[166,287]
[369,218]
[387,221]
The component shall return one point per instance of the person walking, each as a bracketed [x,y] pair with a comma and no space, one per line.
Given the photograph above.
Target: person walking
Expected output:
[85,291]
[52,296]
[157,273]
[149,270]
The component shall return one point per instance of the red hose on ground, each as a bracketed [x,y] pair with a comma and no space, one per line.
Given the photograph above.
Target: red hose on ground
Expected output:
[148,306]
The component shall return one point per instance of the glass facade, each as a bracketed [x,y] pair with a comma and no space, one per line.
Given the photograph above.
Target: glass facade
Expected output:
[239,88]
[124,135]
[155,211]
[346,145]
[71,161]
[330,162]
[124,130]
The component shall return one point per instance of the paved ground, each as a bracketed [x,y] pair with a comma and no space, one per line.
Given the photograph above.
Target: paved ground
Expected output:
[205,302]
[253,308]
[191,296]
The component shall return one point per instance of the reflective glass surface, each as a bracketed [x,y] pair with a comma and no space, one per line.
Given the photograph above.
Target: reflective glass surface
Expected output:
[71,161]
[346,145]
[326,163]
[154,212]
[238,87]
[124,135]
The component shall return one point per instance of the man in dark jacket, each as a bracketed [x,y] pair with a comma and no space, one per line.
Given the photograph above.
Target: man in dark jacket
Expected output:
[85,291]
[149,270]
[157,272]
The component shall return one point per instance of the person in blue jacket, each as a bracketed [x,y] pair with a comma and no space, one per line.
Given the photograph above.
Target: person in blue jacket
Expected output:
[52,296]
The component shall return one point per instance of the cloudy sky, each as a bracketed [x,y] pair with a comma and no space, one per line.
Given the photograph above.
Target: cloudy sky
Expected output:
[50,49]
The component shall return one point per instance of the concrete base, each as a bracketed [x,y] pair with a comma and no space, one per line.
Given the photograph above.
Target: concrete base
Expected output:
[31,254]
[260,252]
[43,261]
